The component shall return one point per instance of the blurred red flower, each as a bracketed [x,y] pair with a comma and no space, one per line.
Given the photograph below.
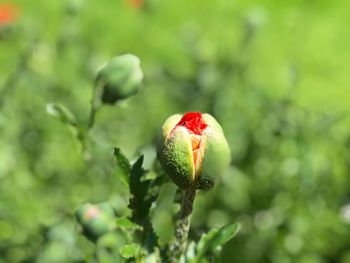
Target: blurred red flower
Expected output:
[8,13]
[136,3]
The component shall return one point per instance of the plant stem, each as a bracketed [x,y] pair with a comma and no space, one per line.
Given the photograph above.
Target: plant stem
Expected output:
[183,224]
[95,103]
[83,132]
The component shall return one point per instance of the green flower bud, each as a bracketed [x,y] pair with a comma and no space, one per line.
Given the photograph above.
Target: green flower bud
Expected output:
[193,147]
[119,78]
[95,219]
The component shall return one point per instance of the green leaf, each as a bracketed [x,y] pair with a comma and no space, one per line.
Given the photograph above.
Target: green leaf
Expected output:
[144,193]
[139,203]
[126,224]
[62,113]
[122,161]
[215,238]
[123,164]
[130,250]
[190,253]
[162,213]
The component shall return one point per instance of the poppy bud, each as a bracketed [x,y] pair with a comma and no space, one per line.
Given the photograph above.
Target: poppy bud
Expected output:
[119,78]
[95,219]
[193,146]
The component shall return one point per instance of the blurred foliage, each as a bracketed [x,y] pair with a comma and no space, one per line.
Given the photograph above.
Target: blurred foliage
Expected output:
[275,75]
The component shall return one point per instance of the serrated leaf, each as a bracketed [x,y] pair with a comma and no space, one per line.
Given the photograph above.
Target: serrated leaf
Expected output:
[123,164]
[126,224]
[138,188]
[215,238]
[143,193]
[130,250]
[62,113]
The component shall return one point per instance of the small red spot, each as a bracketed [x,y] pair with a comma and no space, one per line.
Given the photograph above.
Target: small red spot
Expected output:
[92,213]
[8,14]
[194,122]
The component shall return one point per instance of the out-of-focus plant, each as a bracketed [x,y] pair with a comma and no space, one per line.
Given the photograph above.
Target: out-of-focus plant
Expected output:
[287,183]
[193,146]
[116,80]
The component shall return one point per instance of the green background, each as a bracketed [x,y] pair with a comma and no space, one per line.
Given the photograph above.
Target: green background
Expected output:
[274,74]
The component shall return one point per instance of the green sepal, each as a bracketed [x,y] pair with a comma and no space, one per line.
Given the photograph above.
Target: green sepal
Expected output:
[176,158]
[217,154]
[205,184]
[169,125]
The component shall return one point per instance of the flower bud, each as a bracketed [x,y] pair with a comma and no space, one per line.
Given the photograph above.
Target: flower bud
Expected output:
[193,146]
[95,219]
[120,78]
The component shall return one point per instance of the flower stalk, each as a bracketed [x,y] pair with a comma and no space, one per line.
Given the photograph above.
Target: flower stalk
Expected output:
[95,102]
[193,148]
[183,224]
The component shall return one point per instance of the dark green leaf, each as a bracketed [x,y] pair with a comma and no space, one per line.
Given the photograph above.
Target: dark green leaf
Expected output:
[139,203]
[143,193]
[123,163]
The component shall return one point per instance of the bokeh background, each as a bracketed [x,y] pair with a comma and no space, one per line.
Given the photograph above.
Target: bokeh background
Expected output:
[274,73]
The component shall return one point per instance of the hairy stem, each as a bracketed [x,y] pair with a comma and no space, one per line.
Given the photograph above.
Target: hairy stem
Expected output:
[183,224]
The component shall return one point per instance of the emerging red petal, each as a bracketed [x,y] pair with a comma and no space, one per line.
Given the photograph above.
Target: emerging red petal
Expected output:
[195,125]
[194,122]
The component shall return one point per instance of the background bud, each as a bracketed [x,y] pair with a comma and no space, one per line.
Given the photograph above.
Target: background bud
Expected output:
[95,219]
[193,147]
[120,78]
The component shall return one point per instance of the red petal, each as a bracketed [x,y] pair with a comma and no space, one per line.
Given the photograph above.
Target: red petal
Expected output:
[194,122]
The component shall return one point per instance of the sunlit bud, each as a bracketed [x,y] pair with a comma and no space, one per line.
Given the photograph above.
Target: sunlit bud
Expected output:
[193,146]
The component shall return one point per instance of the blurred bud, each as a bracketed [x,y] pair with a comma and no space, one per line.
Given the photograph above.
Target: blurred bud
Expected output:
[95,219]
[120,78]
[193,146]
